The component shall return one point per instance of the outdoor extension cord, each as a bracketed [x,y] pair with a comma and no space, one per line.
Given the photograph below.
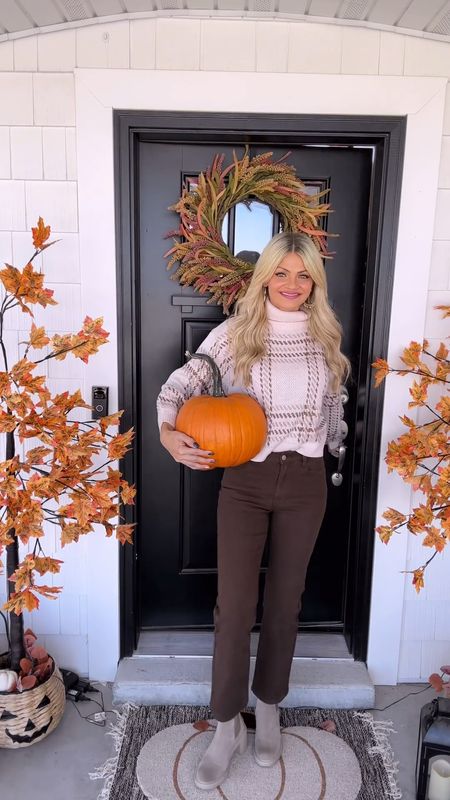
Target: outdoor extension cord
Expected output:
[76,687]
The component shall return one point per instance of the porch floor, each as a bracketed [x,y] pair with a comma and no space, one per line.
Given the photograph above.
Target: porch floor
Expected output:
[59,765]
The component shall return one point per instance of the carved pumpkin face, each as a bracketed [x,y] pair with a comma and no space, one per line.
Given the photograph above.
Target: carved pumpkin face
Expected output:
[20,728]
[14,728]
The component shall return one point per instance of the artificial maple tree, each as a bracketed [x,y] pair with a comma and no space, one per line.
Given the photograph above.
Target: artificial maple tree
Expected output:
[63,480]
[412,452]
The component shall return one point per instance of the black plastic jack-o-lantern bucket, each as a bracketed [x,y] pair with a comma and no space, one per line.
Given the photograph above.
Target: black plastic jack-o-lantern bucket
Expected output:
[27,717]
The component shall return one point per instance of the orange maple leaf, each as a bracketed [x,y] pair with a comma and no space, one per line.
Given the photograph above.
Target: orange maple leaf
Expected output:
[47,591]
[434,538]
[384,532]
[40,233]
[127,493]
[36,455]
[442,351]
[408,421]
[7,422]
[445,309]
[110,419]
[5,534]
[20,601]
[443,408]
[38,337]
[419,392]
[411,355]
[395,517]
[70,533]
[10,277]
[33,287]
[124,533]
[422,516]
[442,370]
[381,370]
[47,564]
[418,581]
[120,444]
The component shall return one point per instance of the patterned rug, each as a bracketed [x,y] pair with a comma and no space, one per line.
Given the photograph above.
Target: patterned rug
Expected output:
[328,754]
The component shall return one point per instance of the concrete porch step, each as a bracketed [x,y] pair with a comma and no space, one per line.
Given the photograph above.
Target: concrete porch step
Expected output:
[201,643]
[185,680]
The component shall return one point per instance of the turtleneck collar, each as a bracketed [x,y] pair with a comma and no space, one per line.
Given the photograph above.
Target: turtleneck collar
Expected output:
[277,315]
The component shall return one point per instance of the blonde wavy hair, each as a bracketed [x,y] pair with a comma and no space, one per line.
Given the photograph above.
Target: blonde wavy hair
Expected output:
[249,319]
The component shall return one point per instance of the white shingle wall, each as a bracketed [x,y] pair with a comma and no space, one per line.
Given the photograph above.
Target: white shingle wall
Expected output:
[38,175]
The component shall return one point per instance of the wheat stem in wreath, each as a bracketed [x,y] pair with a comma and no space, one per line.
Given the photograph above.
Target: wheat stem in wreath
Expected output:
[204,260]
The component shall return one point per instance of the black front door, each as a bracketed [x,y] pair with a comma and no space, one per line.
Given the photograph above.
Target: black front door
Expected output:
[176,546]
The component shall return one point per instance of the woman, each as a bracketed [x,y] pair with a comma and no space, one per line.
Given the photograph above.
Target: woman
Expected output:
[282,347]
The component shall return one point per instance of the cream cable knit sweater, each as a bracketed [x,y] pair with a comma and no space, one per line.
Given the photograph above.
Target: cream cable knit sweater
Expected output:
[290,383]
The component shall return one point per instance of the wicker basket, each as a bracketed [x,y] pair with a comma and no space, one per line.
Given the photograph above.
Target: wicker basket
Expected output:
[27,717]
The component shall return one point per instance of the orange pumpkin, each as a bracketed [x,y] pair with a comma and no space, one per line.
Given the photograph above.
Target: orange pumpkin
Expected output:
[233,427]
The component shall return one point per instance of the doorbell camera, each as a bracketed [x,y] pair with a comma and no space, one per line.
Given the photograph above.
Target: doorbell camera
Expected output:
[99,401]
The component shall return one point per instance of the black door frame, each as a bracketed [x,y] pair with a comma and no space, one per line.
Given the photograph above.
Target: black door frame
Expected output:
[386,134]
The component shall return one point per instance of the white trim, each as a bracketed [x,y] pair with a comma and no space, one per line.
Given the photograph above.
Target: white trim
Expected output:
[252,16]
[98,91]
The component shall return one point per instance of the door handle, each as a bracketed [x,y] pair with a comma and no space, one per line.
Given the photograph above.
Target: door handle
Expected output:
[337,477]
[340,451]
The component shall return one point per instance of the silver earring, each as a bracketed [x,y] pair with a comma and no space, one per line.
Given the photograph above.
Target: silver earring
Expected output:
[264,292]
[306,304]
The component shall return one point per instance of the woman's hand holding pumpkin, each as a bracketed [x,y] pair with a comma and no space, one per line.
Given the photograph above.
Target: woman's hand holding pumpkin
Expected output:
[184,449]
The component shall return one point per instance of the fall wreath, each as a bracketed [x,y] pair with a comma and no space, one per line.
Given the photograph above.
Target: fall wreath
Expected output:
[205,260]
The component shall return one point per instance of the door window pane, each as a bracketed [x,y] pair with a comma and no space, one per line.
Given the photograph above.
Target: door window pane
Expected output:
[253,226]
[225,228]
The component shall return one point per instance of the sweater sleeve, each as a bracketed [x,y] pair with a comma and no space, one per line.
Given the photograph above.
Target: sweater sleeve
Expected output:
[333,412]
[194,377]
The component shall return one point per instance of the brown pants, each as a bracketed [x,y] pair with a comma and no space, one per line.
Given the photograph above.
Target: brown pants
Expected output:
[286,493]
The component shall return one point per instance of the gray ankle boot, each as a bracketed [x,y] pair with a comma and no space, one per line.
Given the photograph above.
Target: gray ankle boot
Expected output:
[268,745]
[229,737]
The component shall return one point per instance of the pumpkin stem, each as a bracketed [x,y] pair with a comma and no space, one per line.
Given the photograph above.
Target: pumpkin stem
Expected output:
[217,379]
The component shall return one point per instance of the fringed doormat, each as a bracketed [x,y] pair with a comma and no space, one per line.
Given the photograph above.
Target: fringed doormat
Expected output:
[328,754]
